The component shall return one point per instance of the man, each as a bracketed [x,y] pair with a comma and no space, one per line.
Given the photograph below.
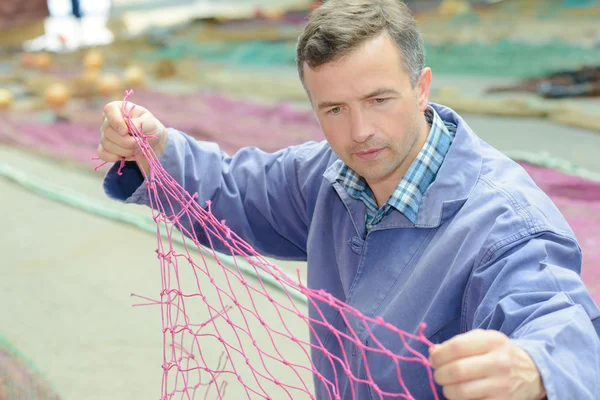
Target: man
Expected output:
[403,213]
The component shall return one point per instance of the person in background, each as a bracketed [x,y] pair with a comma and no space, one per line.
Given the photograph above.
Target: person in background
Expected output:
[73,24]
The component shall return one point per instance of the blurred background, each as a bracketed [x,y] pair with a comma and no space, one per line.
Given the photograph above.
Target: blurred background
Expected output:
[525,74]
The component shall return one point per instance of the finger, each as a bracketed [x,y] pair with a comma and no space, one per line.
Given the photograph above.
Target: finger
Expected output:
[464,345]
[497,388]
[114,116]
[471,368]
[106,156]
[126,142]
[116,149]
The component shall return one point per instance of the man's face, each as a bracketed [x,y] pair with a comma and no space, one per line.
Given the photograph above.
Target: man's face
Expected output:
[371,115]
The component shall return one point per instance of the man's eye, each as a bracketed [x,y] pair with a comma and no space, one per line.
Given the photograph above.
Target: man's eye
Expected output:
[379,101]
[335,110]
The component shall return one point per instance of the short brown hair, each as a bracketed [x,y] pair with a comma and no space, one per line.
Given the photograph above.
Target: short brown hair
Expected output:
[338,27]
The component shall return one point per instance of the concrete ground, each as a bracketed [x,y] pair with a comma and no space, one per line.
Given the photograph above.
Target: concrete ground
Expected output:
[65,290]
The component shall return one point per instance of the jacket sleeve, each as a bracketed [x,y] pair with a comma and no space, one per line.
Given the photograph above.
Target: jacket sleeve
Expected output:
[258,194]
[531,290]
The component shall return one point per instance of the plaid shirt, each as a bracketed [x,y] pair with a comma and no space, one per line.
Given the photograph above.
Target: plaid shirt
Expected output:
[407,196]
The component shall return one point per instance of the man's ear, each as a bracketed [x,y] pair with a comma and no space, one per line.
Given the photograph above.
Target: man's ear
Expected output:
[422,88]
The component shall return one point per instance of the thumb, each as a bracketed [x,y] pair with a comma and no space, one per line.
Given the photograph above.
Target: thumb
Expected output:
[145,124]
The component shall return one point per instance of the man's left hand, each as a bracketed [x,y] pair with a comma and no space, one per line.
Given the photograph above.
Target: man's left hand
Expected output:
[486,365]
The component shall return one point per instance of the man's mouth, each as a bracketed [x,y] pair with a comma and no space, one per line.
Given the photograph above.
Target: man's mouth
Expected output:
[369,155]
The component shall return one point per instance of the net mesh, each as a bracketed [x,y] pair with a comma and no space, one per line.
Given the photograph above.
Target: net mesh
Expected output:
[249,342]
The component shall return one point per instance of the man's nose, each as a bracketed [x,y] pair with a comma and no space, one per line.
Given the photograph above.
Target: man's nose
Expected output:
[360,129]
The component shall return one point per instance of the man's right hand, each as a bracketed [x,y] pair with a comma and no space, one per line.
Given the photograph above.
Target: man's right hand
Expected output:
[117,143]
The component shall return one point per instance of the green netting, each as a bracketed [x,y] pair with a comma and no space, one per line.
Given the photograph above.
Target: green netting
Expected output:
[506,58]
[579,3]
[509,58]
[260,53]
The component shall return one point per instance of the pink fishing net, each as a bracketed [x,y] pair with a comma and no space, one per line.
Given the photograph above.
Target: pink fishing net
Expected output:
[260,336]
